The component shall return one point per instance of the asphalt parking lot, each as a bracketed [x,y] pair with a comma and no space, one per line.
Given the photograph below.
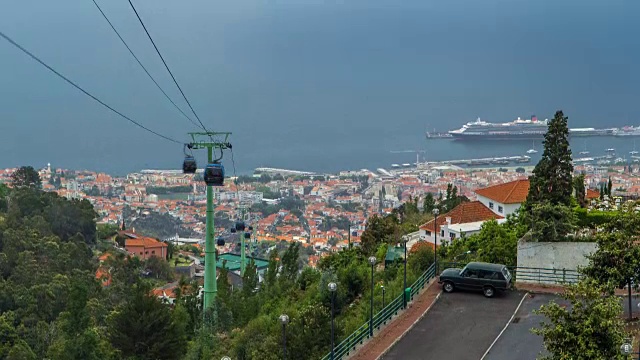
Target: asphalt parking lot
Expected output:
[460,325]
[517,341]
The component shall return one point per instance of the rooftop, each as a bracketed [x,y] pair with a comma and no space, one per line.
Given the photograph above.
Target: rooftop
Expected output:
[514,192]
[467,212]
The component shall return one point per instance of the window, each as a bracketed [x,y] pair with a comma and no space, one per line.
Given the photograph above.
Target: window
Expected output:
[491,205]
[500,209]
[146,252]
[442,233]
[140,252]
[452,235]
[472,273]
[153,252]
[428,233]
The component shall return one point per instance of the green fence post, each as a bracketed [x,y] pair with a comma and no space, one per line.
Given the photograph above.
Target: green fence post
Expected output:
[407,294]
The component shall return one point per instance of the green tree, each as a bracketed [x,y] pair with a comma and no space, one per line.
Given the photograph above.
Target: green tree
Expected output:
[550,222]
[580,191]
[428,204]
[420,258]
[143,328]
[379,230]
[589,329]
[496,243]
[26,176]
[616,262]
[551,181]
[609,186]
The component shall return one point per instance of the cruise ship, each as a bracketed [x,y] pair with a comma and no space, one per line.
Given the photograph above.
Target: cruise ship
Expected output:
[532,129]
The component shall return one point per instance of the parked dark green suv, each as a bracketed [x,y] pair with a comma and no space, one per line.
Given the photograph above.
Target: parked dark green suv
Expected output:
[479,276]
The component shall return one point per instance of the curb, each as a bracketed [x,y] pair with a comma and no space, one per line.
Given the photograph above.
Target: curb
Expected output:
[409,328]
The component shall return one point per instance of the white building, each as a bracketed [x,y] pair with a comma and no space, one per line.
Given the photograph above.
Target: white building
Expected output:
[465,219]
[504,199]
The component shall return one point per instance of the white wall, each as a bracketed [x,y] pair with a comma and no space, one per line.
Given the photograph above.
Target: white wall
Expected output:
[554,255]
[508,209]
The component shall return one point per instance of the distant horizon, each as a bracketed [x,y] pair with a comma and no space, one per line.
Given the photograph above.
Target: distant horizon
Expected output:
[308,85]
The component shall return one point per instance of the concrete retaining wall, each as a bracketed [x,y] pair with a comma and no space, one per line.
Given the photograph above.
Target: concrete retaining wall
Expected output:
[553,255]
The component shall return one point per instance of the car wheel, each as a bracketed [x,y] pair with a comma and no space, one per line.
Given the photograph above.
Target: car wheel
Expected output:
[489,291]
[448,287]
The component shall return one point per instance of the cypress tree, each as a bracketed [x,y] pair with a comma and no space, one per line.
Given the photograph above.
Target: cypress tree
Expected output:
[547,209]
[609,186]
[552,177]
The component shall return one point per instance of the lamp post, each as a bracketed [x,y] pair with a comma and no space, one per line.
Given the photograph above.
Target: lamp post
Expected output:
[626,348]
[435,239]
[332,288]
[404,295]
[372,261]
[225,358]
[382,286]
[284,319]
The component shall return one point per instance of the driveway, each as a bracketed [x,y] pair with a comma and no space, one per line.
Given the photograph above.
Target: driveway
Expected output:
[460,325]
[517,341]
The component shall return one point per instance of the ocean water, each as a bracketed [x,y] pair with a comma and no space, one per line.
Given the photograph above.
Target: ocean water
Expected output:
[319,85]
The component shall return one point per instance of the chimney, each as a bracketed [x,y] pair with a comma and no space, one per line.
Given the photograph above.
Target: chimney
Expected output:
[448,218]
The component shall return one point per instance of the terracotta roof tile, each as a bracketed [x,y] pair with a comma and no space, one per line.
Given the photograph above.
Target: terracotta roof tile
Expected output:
[592,194]
[146,242]
[514,192]
[464,213]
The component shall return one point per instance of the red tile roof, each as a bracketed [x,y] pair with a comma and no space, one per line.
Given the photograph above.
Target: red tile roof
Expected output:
[145,242]
[464,213]
[514,192]
[592,194]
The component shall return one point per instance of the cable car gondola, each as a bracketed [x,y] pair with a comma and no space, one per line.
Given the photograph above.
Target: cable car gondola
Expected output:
[233,230]
[220,241]
[214,174]
[240,226]
[247,235]
[250,228]
[189,165]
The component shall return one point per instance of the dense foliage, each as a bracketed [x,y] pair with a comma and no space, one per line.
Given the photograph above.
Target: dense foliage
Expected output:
[589,328]
[51,303]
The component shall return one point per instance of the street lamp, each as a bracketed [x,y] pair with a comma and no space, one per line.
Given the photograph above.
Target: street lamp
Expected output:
[372,261]
[404,297]
[225,358]
[332,288]
[284,319]
[626,348]
[435,239]
[382,286]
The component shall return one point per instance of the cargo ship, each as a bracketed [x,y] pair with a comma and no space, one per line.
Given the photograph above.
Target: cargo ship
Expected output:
[529,129]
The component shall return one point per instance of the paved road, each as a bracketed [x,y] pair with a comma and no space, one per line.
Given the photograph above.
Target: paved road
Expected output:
[460,326]
[518,342]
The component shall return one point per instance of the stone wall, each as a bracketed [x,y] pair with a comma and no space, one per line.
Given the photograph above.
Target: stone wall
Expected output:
[553,256]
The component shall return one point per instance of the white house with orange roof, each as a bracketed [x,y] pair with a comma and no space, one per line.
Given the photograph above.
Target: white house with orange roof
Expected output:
[504,199]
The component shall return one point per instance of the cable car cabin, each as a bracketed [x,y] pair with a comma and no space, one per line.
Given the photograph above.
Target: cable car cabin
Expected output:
[247,235]
[354,233]
[233,230]
[220,241]
[189,165]
[214,174]
[240,226]
[250,228]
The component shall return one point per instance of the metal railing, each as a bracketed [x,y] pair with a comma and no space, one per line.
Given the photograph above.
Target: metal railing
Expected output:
[545,276]
[380,319]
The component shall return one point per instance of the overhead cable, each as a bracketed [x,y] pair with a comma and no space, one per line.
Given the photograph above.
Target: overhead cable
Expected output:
[166,66]
[12,42]
[142,66]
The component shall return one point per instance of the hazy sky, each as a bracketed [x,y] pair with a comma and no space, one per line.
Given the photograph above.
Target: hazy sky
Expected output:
[305,84]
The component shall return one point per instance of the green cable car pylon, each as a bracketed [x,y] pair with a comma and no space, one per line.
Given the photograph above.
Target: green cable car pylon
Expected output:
[213,176]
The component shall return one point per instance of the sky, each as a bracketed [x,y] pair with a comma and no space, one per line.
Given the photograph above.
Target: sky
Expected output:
[304,84]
